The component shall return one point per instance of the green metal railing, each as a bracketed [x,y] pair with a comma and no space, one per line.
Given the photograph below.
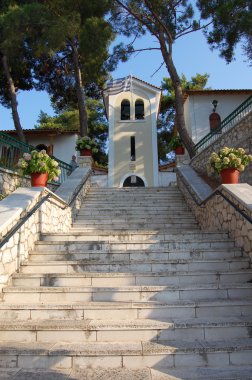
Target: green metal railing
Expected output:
[12,149]
[225,125]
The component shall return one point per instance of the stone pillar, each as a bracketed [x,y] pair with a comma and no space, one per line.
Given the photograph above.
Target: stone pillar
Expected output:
[85,161]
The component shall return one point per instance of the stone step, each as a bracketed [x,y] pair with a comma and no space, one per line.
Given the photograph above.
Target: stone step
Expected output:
[77,374]
[127,279]
[145,190]
[77,244]
[130,355]
[111,224]
[187,264]
[155,209]
[129,205]
[78,266]
[46,253]
[135,221]
[119,198]
[123,218]
[162,210]
[126,293]
[138,237]
[126,310]
[125,330]
[137,247]
[200,373]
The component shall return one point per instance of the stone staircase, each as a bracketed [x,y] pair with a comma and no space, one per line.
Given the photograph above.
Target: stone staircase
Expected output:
[135,291]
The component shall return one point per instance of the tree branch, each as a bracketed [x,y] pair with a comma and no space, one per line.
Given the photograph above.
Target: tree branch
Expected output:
[162,64]
[193,30]
[138,17]
[159,21]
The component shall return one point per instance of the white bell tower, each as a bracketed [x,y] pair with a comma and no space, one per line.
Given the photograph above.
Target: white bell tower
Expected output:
[132,107]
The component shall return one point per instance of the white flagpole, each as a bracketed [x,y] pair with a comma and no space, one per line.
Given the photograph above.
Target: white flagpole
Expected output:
[131,95]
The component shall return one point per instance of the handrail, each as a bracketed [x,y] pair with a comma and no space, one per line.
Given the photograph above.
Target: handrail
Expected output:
[226,124]
[215,192]
[35,208]
[17,148]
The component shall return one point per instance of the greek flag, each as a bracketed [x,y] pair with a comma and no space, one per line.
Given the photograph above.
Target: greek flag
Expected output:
[119,85]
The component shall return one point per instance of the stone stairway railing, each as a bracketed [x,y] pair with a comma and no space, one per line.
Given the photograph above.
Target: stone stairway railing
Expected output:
[228,208]
[28,212]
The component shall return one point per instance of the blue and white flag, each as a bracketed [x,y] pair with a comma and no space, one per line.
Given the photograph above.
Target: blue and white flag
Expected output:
[119,85]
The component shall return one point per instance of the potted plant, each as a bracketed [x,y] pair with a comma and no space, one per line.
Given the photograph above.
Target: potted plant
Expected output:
[177,145]
[40,167]
[229,162]
[86,146]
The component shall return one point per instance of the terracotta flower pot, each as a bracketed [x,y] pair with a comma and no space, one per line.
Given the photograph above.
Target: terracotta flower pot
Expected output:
[39,179]
[180,150]
[230,176]
[86,152]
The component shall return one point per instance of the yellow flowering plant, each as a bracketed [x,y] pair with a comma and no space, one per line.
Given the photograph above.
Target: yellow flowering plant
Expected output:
[229,158]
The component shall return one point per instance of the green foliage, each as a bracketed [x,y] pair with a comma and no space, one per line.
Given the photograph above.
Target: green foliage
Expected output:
[13,46]
[232,20]
[229,158]
[69,120]
[72,26]
[175,142]
[87,143]
[39,162]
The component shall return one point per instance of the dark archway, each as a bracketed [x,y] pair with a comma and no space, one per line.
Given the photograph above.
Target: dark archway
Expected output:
[139,109]
[41,147]
[133,181]
[125,110]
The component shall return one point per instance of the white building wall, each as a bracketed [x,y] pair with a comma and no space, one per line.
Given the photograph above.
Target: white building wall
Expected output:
[63,145]
[145,132]
[197,109]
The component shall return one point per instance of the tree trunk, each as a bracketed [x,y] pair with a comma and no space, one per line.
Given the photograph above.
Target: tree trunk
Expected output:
[14,102]
[80,93]
[179,102]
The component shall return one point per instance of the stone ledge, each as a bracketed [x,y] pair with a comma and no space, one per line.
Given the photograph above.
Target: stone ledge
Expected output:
[201,189]
[12,207]
[77,178]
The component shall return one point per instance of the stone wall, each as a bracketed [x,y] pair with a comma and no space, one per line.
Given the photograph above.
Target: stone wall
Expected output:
[215,213]
[238,136]
[54,215]
[10,181]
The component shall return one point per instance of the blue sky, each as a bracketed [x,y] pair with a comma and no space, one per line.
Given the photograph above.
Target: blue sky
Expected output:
[191,55]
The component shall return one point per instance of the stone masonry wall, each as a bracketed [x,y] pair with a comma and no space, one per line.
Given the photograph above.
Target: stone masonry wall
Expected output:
[10,181]
[54,215]
[217,214]
[238,136]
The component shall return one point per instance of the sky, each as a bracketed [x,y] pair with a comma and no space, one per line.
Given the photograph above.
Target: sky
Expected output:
[191,55]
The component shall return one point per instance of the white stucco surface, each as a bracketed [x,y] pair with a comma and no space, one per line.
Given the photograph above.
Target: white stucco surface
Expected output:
[145,164]
[198,107]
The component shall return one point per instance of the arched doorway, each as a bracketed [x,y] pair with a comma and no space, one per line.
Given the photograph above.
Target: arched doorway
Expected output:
[215,122]
[41,147]
[133,181]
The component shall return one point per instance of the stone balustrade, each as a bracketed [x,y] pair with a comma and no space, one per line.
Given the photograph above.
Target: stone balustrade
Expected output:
[55,214]
[213,212]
